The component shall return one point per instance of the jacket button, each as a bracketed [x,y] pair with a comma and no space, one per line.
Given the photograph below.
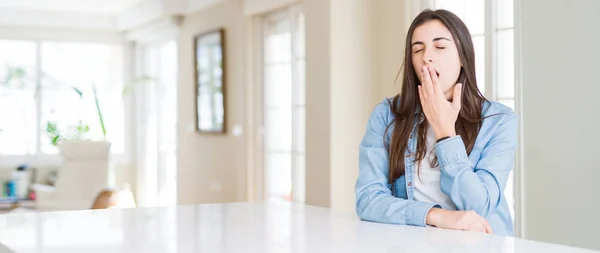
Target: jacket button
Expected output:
[409,184]
[407,155]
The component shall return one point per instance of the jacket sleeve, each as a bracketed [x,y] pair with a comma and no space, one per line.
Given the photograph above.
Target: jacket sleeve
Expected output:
[374,200]
[479,187]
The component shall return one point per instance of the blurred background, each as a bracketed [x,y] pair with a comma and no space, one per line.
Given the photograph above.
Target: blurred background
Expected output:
[179,102]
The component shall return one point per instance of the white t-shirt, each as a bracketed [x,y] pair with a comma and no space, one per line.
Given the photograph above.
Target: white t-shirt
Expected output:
[427,188]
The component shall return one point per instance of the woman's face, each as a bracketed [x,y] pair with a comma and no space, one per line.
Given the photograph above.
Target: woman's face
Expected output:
[432,45]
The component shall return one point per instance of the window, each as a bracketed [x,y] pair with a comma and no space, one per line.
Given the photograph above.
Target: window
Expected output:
[472,12]
[17,102]
[284,105]
[495,42]
[62,66]
[156,114]
[492,29]
[54,82]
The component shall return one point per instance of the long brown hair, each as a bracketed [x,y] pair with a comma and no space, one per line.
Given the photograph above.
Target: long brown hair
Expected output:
[406,105]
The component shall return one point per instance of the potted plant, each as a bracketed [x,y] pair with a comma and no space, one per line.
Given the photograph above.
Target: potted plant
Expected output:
[75,141]
[68,139]
[85,168]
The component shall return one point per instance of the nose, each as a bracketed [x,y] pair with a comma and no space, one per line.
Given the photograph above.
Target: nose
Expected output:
[427,58]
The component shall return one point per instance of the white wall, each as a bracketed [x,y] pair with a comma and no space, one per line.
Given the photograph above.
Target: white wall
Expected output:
[352,87]
[56,19]
[60,34]
[387,46]
[211,168]
[253,7]
[354,51]
[560,117]
[318,103]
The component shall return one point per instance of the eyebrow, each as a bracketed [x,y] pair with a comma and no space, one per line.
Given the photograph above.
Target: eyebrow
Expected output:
[434,40]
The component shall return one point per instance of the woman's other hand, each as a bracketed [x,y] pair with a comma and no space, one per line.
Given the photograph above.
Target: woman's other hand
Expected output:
[458,220]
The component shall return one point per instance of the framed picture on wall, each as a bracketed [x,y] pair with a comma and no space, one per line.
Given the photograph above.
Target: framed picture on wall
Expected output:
[210,82]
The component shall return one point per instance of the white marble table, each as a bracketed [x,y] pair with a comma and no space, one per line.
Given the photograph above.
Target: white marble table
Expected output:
[238,227]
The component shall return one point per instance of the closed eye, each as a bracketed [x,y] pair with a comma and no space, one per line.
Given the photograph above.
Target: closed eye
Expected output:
[436,47]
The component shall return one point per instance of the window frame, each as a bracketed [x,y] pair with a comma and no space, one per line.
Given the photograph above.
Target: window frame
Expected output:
[43,160]
[258,167]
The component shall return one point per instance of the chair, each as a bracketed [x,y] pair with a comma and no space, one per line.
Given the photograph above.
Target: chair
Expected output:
[114,198]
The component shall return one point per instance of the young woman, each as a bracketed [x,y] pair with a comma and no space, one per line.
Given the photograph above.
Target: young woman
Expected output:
[438,154]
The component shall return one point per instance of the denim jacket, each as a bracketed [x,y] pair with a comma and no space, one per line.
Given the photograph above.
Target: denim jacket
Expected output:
[473,182]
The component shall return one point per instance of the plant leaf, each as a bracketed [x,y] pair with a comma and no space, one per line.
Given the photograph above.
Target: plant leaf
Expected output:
[79,92]
[99,111]
[55,140]
[127,89]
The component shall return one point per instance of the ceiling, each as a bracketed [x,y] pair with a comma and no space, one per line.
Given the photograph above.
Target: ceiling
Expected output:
[80,6]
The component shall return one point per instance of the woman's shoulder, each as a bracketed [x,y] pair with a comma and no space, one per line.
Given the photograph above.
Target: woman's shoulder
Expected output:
[500,122]
[491,109]
[384,105]
[383,109]
[381,114]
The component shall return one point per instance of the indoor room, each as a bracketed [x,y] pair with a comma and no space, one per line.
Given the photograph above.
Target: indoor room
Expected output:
[278,126]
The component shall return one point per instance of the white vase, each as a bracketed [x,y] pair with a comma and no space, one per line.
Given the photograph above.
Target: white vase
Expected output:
[85,150]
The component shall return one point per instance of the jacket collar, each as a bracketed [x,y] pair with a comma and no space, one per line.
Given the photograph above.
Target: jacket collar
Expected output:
[419,114]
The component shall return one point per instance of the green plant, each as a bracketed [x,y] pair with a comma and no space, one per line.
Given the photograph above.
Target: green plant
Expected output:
[130,87]
[77,132]
[80,131]
[99,111]
[16,78]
